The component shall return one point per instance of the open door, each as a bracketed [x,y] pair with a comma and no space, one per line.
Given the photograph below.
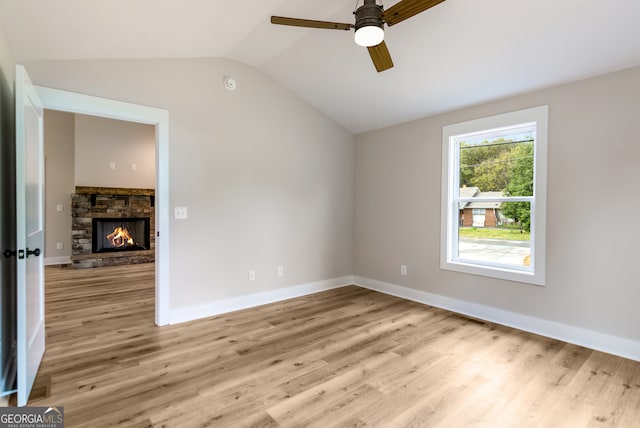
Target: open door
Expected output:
[30,229]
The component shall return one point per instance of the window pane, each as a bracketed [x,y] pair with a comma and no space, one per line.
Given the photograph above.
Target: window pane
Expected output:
[496,235]
[496,166]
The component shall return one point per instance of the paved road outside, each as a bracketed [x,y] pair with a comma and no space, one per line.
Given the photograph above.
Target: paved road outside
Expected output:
[494,250]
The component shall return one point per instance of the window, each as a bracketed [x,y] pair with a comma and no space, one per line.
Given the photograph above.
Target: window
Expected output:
[494,196]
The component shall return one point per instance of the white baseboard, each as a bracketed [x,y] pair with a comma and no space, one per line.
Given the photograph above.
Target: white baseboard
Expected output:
[249,301]
[615,345]
[65,260]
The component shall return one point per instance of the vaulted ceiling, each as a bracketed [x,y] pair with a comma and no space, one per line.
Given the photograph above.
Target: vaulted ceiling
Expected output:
[459,53]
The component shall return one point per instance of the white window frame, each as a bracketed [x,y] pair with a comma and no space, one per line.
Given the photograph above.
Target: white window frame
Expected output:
[535,273]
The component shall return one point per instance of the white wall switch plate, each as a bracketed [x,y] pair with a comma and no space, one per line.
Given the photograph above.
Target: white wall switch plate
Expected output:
[59,208]
[280,271]
[112,165]
[252,275]
[59,245]
[180,213]
[403,270]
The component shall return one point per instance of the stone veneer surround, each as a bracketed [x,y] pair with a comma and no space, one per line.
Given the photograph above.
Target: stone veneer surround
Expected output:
[108,202]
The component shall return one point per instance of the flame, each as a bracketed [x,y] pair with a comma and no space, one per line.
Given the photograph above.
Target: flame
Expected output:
[120,237]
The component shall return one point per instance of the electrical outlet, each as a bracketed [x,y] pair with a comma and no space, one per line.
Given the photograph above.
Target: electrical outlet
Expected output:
[59,208]
[403,270]
[280,271]
[59,245]
[112,166]
[134,167]
[252,275]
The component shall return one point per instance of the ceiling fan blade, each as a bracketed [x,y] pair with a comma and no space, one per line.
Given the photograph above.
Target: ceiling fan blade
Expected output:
[309,23]
[405,9]
[381,57]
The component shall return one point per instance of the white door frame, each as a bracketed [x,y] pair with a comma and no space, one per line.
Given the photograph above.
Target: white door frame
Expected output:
[55,99]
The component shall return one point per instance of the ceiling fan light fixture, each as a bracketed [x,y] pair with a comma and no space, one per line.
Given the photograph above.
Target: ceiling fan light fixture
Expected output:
[369,24]
[370,35]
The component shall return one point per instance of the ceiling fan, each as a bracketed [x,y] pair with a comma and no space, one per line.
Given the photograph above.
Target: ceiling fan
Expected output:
[369,26]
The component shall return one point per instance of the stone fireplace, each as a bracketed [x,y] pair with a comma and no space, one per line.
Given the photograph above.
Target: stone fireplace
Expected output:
[112,226]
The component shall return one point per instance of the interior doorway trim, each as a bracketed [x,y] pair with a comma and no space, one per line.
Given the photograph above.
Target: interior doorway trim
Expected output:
[55,99]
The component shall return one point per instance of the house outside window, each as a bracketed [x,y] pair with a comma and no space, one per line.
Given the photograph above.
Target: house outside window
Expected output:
[494,196]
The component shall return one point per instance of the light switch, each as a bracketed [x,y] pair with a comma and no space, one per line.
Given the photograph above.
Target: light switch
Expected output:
[180,213]
[134,167]
[59,208]
[112,165]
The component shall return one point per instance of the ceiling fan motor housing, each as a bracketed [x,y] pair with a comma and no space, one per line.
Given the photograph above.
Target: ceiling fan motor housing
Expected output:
[369,14]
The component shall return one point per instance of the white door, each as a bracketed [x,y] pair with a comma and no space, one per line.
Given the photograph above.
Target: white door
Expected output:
[30,229]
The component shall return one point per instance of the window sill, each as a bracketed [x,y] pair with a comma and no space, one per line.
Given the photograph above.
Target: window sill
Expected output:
[516,275]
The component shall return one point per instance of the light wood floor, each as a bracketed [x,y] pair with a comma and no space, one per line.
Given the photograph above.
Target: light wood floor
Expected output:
[347,357]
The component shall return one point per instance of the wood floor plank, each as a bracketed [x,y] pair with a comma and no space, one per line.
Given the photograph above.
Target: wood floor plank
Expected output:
[348,357]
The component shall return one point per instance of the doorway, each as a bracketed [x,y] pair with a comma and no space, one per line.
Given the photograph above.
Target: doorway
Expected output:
[54,99]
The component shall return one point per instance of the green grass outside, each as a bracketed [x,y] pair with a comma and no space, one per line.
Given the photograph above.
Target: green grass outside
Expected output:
[491,233]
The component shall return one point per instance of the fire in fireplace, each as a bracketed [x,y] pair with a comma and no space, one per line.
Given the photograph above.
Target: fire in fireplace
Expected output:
[120,234]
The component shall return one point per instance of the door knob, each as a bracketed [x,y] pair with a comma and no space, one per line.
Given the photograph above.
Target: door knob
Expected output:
[9,253]
[35,252]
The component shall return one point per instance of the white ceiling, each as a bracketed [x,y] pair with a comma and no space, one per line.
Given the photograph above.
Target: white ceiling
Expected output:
[459,53]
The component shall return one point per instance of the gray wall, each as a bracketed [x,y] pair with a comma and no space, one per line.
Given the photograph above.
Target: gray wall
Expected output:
[594,175]
[58,154]
[100,141]
[267,179]
[7,211]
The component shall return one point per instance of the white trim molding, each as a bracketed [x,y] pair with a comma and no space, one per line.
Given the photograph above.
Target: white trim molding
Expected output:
[64,260]
[218,307]
[610,344]
[56,99]
[531,121]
